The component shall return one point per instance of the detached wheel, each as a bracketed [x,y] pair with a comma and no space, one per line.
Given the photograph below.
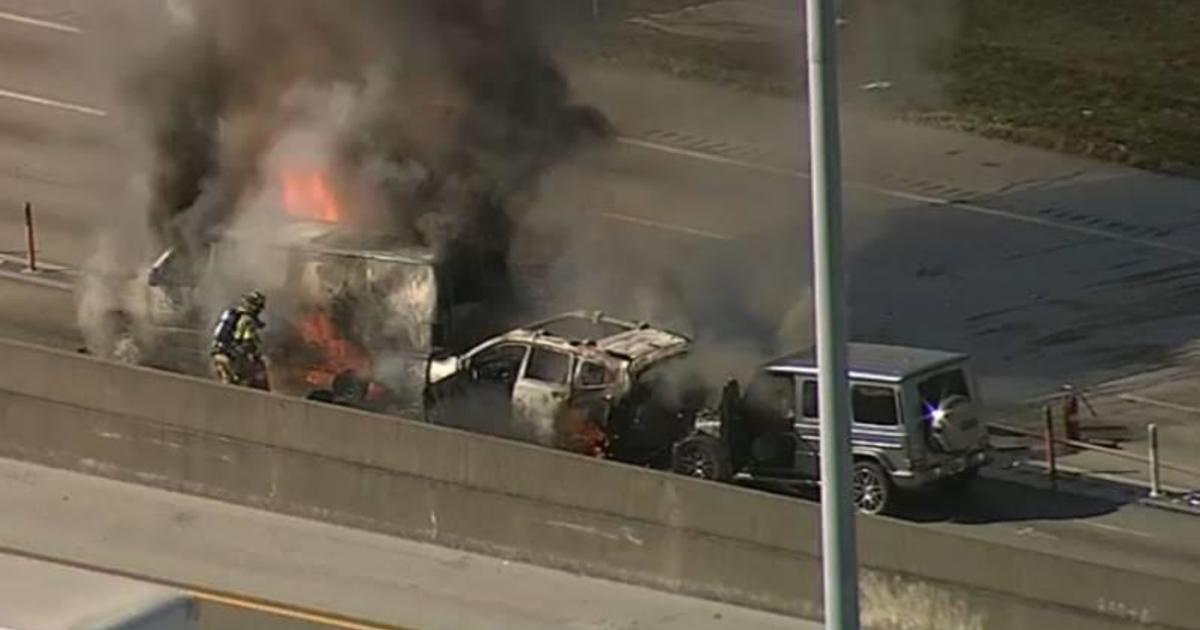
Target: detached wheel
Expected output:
[702,457]
[873,492]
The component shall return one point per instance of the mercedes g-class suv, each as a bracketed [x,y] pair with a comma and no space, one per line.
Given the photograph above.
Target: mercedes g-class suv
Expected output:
[915,425]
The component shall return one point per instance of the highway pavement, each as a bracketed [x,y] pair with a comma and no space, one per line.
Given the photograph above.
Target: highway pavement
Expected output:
[1046,268]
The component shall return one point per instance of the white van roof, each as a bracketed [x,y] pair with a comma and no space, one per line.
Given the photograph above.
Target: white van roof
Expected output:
[339,240]
[36,595]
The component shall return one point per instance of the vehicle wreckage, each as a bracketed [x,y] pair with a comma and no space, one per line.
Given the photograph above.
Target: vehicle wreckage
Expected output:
[362,321]
[343,304]
[582,382]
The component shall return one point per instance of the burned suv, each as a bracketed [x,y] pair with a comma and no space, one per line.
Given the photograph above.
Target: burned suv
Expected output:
[914,426]
[581,382]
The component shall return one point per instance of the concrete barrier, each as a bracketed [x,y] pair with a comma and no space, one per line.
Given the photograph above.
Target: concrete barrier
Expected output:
[505,498]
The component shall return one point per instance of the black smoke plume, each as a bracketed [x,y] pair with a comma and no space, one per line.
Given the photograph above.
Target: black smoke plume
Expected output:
[457,110]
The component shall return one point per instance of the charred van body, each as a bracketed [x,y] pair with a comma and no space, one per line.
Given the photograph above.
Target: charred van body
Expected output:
[342,303]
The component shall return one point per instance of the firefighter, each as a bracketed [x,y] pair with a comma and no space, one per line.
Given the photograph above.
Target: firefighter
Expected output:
[1071,398]
[237,357]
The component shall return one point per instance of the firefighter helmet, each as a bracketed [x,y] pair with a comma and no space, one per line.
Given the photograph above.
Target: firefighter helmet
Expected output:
[254,301]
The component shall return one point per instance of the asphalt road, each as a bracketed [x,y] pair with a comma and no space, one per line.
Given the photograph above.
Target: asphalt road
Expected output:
[1046,268]
[212,546]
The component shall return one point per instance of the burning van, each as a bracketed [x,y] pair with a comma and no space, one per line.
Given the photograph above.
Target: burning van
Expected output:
[582,382]
[341,302]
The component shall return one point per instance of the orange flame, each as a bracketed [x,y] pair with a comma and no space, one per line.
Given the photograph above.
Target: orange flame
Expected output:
[582,435]
[338,354]
[308,195]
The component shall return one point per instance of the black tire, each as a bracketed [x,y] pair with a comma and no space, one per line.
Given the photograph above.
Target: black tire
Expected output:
[702,457]
[873,490]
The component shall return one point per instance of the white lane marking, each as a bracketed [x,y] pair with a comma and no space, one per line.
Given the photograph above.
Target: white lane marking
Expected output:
[913,197]
[33,278]
[49,102]
[709,157]
[45,266]
[36,278]
[46,24]
[683,229]
[1158,403]
[1119,530]
[584,529]
[1029,531]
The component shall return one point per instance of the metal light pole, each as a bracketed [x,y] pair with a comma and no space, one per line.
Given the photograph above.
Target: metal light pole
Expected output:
[837,505]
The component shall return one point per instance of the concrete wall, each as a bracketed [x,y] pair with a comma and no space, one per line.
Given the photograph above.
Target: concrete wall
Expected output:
[505,498]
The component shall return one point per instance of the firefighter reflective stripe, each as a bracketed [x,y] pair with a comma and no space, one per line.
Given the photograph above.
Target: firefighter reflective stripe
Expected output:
[246,331]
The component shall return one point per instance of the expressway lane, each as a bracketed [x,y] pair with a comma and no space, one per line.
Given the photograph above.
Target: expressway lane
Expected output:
[336,576]
[1046,268]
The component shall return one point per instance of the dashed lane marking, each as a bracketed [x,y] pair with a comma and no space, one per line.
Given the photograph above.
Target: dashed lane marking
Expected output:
[34,99]
[50,275]
[1119,530]
[915,197]
[1158,403]
[683,229]
[39,23]
[34,279]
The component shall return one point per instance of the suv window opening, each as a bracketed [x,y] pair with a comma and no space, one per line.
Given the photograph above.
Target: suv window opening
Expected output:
[874,405]
[501,363]
[549,366]
[870,404]
[811,409]
[592,375]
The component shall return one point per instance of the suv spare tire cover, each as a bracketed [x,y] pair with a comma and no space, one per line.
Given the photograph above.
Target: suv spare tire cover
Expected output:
[957,430]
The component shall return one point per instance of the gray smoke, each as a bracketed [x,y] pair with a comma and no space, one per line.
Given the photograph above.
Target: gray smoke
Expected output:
[456,110]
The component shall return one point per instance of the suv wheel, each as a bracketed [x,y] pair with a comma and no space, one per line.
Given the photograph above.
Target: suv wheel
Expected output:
[701,456]
[872,488]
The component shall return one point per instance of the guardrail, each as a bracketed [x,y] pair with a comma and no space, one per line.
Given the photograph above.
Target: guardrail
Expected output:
[1151,460]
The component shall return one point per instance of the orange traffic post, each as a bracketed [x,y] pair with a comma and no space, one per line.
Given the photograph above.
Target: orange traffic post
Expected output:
[30,241]
[1051,454]
[1155,471]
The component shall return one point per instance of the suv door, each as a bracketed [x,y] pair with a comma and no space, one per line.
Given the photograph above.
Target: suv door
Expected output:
[542,394]
[767,424]
[949,418]
[585,427]
[808,430]
[877,426]
[480,396]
